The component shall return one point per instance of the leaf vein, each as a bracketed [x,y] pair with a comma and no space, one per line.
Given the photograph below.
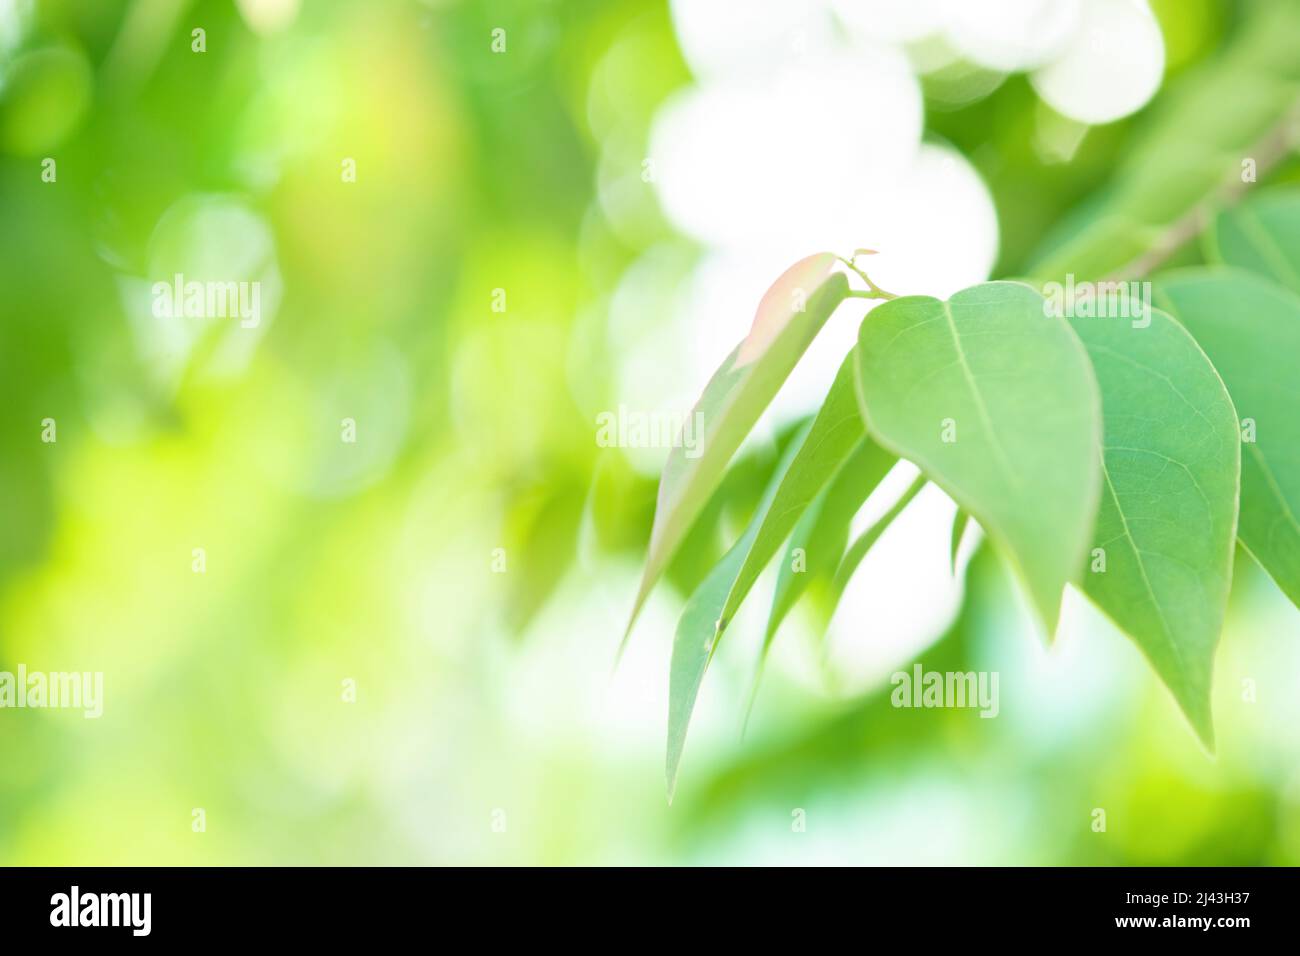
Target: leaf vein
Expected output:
[987,421]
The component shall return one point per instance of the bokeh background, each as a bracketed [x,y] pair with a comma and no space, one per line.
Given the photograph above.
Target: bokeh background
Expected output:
[573,214]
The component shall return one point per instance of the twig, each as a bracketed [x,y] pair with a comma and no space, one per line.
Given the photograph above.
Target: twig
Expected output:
[1268,152]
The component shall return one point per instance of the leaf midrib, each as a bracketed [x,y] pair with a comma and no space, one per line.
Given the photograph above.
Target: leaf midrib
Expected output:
[1142,569]
[985,419]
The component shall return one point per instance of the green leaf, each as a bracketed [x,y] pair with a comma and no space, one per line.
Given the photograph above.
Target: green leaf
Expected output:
[959,522]
[823,531]
[737,498]
[1250,329]
[867,540]
[791,313]
[817,542]
[835,432]
[996,402]
[1166,529]
[692,648]
[1263,236]
[700,625]
[826,446]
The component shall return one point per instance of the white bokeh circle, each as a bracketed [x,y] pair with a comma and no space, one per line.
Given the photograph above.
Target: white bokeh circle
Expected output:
[1112,67]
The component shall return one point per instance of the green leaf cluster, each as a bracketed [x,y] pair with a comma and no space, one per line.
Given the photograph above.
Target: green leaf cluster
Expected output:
[1126,455]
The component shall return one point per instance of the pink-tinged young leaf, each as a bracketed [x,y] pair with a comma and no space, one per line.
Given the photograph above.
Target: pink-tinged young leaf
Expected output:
[788,318]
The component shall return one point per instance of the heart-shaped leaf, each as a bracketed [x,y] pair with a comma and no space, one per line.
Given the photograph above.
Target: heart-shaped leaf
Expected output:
[993,397]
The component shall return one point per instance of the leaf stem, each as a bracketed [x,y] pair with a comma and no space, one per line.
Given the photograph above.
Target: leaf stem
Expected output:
[1274,147]
[873,291]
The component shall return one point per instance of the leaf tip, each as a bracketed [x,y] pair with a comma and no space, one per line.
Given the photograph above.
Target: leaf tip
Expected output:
[1203,724]
[622,646]
[643,591]
[670,779]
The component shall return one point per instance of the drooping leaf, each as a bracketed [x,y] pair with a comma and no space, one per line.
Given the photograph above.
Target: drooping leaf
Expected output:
[1250,329]
[692,648]
[1261,235]
[731,506]
[698,628]
[835,432]
[818,540]
[995,400]
[1161,566]
[791,313]
[827,446]
[817,543]
[864,542]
